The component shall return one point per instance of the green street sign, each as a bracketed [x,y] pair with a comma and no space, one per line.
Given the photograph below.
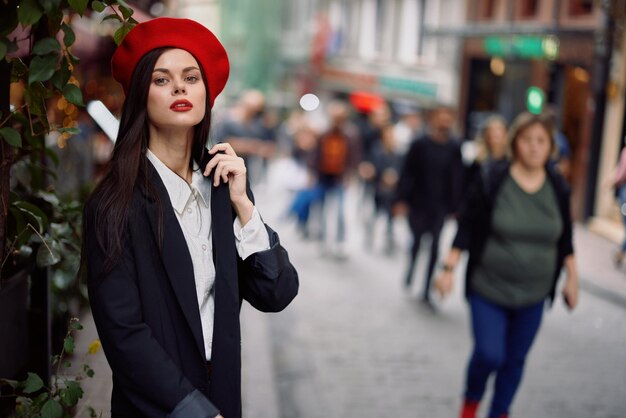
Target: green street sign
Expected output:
[525,46]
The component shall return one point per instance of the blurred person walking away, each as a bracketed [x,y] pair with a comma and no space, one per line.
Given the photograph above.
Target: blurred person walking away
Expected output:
[517,228]
[386,164]
[619,183]
[429,188]
[335,160]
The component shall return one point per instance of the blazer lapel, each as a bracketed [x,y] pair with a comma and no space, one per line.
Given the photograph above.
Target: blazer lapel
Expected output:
[175,255]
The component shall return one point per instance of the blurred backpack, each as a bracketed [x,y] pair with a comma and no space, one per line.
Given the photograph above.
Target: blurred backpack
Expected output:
[333,153]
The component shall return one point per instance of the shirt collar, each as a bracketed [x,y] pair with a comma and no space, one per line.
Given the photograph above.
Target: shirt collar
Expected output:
[179,191]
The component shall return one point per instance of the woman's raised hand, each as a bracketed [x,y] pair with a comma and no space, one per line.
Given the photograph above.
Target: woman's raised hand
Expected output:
[228,168]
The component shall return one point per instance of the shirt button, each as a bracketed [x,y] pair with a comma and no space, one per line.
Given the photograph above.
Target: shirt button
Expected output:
[203,247]
[189,210]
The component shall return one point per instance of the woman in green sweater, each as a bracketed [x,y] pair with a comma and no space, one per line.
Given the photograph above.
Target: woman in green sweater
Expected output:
[516,226]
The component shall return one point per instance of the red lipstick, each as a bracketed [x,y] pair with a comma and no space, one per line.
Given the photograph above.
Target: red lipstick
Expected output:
[181,106]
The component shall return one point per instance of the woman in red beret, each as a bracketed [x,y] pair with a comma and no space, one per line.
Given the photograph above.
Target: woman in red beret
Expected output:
[173,242]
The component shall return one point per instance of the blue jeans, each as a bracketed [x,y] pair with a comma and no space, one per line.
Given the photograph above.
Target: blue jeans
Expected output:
[502,339]
[328,191]
[621,193]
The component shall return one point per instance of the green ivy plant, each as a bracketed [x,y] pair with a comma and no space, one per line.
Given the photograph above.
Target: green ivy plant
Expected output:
[36,399]
[38,227]
[33,221]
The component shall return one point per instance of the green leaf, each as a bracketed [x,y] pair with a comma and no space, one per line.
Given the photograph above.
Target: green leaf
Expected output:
[33,383]
[34,213]
[76,326]
[126,11]
[72,93]
[52,409]
[62,75]
[71,394]
[29,12]
[121,33]
[71,131]
[42,68]
[98,6]
[112,16]
[69,36]
[11,136]
[78,5]
[35,104]
[68,344]
[49,255]
[51,198]
[45,46]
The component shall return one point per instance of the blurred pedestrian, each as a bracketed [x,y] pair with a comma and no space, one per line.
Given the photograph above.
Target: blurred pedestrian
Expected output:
[173,241]
[429,188]
[407,128]
[491,147]
[619,183]
[308,193]
[562,158]
[516,225]
[246,129]
[386,164]
[334,163]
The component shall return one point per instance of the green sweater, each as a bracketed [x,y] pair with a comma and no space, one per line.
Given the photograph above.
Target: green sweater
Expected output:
[517,265]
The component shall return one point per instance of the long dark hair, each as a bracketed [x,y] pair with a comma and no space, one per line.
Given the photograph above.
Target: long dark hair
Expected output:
[128,168]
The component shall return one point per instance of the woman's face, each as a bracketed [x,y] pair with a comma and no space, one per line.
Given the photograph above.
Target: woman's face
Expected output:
[177,95]
[495,139]
[533,146]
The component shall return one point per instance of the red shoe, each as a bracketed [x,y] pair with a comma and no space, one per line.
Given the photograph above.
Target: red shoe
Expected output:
[469,409]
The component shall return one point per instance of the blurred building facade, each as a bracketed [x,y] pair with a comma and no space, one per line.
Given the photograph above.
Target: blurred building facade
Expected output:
[570,49]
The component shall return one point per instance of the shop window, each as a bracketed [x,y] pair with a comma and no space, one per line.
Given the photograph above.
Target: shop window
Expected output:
[580,7]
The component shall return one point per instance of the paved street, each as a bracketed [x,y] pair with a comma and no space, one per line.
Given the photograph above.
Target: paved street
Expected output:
[354,343]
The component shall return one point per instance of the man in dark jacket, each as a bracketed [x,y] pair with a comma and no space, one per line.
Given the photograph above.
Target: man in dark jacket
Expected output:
[429,187]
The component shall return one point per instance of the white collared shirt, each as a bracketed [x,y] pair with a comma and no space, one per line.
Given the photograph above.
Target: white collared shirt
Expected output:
[192,205]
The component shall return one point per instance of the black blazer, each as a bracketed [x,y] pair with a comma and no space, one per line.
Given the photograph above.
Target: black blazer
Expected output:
[147,316]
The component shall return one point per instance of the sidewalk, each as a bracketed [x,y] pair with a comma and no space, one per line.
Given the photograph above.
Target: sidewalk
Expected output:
[598,274]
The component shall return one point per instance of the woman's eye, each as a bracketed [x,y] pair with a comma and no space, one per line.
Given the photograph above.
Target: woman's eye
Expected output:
[161,81]
[191,78]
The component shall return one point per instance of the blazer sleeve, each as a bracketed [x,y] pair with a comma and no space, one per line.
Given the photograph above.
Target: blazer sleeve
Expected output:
[142,368]
[267,279]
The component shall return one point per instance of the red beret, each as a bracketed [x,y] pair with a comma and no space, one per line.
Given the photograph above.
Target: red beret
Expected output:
[176,33]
